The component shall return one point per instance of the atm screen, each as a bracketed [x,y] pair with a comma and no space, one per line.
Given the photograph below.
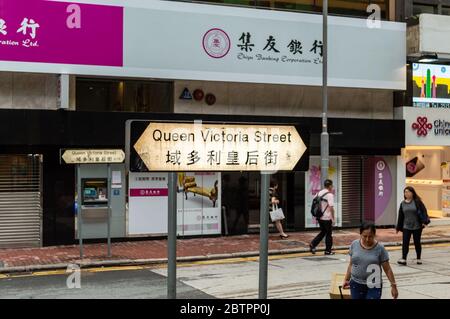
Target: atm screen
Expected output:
[95,191]
[90,192]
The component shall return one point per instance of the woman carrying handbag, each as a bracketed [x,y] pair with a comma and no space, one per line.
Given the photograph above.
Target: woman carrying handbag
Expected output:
[412,219]
[273,206]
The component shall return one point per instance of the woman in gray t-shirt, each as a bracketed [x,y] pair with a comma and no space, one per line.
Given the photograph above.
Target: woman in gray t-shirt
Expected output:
[364,274]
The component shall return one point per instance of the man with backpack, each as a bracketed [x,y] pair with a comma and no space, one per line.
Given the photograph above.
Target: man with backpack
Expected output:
[322,210]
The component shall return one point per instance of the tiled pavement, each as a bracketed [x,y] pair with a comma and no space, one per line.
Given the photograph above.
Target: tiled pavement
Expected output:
[155,250]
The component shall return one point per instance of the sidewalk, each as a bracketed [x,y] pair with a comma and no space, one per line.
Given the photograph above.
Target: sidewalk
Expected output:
[155,251]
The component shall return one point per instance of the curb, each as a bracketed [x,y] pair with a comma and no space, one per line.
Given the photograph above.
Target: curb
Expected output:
[163,261]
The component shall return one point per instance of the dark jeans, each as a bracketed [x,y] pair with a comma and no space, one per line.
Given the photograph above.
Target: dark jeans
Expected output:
[359,291]
[417,234]
[326,230]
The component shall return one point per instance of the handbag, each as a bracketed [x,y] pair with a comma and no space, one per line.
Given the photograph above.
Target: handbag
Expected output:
[276,213]
[423,217]
[423,214]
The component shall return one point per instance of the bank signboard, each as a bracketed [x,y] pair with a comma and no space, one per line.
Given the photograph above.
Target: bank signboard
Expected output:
[37,32]
[184,147]
[379,202]
[199,207]
[187,41]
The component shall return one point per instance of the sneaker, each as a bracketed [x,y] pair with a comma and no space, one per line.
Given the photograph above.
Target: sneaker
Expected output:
[329,253]
[402,262]
[419,262]
[312,249]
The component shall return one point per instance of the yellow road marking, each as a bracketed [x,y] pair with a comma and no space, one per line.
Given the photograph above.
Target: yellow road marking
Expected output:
[216,261]
[105,269]
[436,245]
[17,276]
[47,273]
[241,259]
[191,264]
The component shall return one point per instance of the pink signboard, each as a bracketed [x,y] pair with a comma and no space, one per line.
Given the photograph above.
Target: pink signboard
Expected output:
[148,192]
[379,189]
[61,32]
[383,187]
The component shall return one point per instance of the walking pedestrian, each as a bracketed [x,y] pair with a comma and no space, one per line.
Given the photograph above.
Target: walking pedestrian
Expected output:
[412,219]
[274,202]
[327,220]
[364,274]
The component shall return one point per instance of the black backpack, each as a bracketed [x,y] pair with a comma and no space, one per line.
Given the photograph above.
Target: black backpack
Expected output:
[316,206]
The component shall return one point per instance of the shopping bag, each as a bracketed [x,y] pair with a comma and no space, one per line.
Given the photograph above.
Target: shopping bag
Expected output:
[336,289]
[276,213]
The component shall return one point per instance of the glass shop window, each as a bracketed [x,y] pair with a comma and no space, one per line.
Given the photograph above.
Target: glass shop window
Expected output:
[123,96]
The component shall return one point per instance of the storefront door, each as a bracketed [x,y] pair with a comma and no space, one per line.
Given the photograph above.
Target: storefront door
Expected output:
[241,193]
[20,200]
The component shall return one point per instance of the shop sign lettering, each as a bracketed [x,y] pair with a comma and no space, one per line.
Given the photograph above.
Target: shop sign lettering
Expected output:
[272,51]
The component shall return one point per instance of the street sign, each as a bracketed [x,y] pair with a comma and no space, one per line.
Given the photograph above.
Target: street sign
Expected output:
[93,156]
[217,147]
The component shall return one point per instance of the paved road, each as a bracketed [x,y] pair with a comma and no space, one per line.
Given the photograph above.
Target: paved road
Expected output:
[299,276]
[309,277]
[123,284]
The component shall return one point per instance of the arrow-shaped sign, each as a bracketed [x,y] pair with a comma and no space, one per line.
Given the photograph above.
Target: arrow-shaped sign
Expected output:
[215,147]
[93,156]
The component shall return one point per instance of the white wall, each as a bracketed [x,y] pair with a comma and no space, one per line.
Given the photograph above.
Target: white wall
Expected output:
[284,100]
[434,30]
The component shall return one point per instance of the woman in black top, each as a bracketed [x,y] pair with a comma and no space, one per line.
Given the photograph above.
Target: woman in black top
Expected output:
[412,218]
[275,200]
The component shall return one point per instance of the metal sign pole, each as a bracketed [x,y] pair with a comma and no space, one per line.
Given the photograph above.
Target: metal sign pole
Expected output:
[264,235]
[109,209]
[79,210]
[324,137]
[172,238]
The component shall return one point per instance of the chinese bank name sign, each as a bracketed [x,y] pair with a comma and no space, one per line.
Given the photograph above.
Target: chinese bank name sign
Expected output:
[61,32]
[212,147]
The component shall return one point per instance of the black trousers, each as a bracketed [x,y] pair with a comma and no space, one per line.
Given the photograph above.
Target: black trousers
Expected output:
[417,235]
[326,230]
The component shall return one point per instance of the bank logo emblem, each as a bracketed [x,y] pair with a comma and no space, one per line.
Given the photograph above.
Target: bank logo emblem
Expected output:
[216,43]
[381,166]
[422,126]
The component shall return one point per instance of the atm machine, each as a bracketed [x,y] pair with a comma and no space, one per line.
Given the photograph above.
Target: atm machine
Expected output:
[94,199]
[98,188]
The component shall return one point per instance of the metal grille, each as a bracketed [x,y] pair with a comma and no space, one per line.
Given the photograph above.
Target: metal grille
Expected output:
[351,191]
[368,209]
[20,200]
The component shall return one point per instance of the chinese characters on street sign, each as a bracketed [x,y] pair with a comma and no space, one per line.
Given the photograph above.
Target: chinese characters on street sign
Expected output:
[215,147]
[93,156]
